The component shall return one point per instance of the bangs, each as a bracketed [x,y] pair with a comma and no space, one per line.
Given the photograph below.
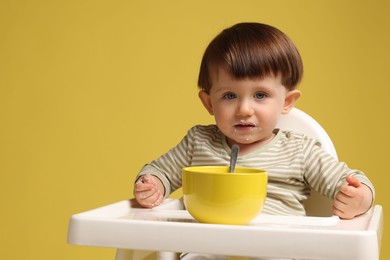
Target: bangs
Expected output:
[252,51]
[244,61]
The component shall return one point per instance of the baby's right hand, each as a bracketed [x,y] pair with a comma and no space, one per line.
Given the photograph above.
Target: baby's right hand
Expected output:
[149,191]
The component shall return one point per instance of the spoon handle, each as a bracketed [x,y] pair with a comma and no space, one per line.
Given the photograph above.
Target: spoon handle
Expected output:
[233,157]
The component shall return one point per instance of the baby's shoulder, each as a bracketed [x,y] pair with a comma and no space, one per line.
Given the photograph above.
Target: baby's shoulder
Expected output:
[207,133]
[293,137]
[204,129]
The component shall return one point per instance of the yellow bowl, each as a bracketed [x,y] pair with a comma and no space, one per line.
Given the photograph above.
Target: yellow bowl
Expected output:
[213,195]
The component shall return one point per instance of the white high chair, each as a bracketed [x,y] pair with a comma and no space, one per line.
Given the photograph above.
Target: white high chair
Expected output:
[316,205]
[126,226]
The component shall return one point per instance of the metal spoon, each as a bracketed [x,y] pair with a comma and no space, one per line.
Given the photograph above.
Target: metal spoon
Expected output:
[233,157]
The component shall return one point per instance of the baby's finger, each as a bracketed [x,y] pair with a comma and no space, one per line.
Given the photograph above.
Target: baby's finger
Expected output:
[145,194]
[340,205]
[144,183]
[353,181]
[347,190]
[343,195]
[144,180]
[160,199]
[152,200]
[342,214]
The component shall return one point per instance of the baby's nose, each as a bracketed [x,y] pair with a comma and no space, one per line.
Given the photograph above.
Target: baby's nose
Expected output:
[245,108]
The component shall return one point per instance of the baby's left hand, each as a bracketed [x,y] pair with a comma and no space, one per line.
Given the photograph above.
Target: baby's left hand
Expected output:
[353,199]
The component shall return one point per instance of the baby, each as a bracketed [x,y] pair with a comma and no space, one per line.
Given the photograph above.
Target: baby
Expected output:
[248,78]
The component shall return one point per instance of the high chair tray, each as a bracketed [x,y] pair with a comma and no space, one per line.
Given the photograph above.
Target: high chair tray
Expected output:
[171,228]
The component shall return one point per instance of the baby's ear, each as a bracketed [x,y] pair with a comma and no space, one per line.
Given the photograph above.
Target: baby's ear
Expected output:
[206,101]
[289,102]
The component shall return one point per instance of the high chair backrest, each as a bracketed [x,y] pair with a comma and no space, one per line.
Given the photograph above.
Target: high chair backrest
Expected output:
[299,121]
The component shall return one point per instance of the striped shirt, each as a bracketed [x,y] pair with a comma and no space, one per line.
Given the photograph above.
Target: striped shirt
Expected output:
[295,164]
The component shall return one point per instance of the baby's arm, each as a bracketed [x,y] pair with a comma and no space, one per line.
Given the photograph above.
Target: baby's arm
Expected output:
[353,199]
[149,191]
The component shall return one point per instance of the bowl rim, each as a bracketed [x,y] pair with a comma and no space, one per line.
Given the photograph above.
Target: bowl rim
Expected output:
[245,170]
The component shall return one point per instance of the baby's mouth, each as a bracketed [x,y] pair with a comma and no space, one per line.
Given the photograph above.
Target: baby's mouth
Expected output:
[244,126]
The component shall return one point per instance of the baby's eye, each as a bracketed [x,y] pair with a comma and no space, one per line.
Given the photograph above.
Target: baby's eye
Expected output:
[229,95]
[260,95]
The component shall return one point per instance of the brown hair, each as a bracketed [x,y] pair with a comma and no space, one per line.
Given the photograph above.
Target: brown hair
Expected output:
[252,50]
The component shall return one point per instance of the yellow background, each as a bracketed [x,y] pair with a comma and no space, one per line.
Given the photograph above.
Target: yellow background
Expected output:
[92,90]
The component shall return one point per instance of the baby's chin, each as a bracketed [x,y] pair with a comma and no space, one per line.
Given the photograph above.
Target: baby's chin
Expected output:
[249,140]
[245,140]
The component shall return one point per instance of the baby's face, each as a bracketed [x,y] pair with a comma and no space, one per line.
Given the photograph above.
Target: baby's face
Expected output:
[245,110]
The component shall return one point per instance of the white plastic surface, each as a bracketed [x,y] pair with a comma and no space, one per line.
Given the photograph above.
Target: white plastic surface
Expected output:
[169,228]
